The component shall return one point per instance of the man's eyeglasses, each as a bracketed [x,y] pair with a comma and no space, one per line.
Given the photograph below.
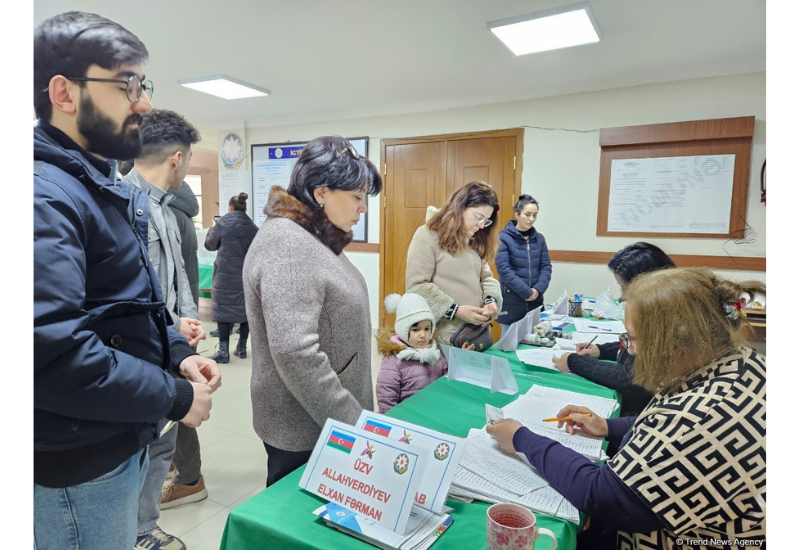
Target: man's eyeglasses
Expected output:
[133,85]
[481,219]
[349,147]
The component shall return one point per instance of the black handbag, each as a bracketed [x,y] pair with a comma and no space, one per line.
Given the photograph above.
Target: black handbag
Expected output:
[478,335]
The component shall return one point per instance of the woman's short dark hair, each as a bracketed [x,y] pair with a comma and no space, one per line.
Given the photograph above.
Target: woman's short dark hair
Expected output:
[69,43]
[524,200]
[239,202]
[638,258]
[332,161]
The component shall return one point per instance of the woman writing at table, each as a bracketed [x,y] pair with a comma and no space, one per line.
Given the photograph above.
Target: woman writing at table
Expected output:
[590,361]
[308,306]
[692,466]
[448,260]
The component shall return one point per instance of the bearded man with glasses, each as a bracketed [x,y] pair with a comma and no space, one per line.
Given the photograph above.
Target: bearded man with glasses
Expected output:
[107,364]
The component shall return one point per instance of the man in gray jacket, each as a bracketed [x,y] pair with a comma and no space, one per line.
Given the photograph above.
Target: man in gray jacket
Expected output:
[167,140]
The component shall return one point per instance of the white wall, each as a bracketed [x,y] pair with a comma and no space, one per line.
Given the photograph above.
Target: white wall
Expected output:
[561,169]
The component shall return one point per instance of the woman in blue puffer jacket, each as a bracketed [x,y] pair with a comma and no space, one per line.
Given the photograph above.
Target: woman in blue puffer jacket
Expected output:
[523,263]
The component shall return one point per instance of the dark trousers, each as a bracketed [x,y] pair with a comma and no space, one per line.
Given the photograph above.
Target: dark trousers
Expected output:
[225,331]
[281,463]
[187,455]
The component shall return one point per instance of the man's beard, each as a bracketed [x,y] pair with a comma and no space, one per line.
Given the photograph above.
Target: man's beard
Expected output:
[101,134]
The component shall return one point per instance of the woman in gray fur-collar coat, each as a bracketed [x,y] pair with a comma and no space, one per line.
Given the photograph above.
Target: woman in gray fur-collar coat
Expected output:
[308,306]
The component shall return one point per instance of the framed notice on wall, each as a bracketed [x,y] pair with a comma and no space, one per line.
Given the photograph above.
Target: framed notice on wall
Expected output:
[682,179]
[273,164]
[671,194]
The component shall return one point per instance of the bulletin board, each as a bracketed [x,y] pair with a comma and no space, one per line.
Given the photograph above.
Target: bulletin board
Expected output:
[683,179]
[273,164]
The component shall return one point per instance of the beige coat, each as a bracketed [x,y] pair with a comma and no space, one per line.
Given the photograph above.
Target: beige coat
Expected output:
[308,310]
[444,279]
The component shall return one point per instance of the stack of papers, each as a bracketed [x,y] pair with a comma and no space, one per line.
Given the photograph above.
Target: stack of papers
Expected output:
[600,405]
[531,412]
[488,473]
[423,529]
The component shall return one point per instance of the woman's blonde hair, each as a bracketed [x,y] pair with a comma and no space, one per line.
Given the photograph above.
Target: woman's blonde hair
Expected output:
[449,221]
[684,315]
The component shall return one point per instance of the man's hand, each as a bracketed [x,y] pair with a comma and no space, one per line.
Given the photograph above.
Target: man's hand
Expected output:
[534,295]
[201,406]
[504,432]
[192,330]
[201,370]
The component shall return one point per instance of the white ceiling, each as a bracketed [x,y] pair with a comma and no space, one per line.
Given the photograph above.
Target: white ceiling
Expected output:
[339,59]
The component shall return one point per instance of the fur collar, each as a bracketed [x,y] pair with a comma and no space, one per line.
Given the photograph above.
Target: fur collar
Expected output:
[282,205]
[386,346]
[390,344]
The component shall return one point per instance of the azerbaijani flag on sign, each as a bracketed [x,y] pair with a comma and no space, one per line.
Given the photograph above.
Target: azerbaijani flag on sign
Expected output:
[377,428]
[340,441]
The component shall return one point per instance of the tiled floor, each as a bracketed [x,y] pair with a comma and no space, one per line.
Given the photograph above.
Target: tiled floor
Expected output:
[234,460]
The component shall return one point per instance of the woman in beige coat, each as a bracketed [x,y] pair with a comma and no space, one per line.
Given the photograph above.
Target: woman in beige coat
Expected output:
[448,260]
[308,306]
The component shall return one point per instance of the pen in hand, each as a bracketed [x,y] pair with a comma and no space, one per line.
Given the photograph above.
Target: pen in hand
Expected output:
[589,344]
[563,418]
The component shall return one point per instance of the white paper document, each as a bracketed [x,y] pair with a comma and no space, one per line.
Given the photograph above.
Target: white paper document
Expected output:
[602,406]
[586,337]
[602,327]
[480,369]
[485,458]
[539,357]
[568,511]
[545,500]
[493,414]
[531,412]
[689,194]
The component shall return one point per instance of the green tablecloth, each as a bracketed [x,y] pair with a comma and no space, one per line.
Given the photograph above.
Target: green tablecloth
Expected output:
[206,276]
[280,517]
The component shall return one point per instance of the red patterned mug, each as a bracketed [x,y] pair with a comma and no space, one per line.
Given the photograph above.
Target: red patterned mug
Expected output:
[511,526]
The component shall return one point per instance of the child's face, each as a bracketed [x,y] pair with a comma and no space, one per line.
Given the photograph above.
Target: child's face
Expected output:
[420,334]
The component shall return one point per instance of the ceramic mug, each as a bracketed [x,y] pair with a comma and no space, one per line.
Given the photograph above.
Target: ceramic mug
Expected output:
[511,526]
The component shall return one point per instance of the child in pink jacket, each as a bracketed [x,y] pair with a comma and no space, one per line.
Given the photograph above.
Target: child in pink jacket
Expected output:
[411,359]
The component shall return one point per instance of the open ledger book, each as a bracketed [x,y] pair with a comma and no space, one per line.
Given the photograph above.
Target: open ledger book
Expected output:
[423,528]
[490,474]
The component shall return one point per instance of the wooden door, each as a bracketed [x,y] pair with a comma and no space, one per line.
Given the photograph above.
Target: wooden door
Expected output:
[422,172]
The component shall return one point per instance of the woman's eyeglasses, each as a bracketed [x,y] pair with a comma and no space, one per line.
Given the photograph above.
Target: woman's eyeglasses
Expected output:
[625,340]
[133,85]
[481,219]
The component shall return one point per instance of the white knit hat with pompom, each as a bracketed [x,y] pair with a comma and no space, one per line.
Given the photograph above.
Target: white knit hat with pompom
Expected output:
[411,309]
